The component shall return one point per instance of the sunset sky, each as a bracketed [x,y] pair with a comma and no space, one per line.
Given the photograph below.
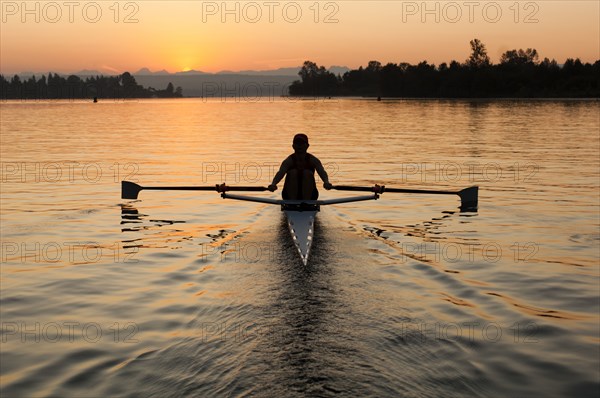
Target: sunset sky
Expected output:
[180,35]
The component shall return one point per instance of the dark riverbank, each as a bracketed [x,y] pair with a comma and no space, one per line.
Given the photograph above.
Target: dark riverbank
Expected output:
[519,74]
[55,86]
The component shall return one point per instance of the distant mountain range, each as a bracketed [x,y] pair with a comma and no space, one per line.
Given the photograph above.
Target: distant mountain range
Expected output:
[241,84]
[290,71]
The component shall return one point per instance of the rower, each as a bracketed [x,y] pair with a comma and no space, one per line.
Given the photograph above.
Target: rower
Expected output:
[299,172]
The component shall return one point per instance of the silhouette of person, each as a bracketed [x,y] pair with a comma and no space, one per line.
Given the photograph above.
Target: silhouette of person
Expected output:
[299,172]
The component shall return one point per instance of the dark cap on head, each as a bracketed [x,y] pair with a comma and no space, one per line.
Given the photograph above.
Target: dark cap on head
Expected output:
[301,138]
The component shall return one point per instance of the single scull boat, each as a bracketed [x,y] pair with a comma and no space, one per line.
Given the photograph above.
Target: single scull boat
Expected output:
[300,214]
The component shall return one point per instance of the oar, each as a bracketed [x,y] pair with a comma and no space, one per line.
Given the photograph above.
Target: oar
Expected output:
[130,190]
[468,196]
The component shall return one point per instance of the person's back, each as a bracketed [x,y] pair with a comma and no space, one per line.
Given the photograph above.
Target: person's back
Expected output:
[299,171]
[300,178]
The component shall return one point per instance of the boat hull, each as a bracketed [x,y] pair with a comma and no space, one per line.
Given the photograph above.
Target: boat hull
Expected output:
[301,223]
[301,216]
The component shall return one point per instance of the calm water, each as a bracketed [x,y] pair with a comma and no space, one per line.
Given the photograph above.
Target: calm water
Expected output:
[184,294]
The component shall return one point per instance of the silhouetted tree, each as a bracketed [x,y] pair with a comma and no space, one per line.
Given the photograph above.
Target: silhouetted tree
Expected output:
[316,80]
[479,57]
[373,67]
[519,57]
[309,70]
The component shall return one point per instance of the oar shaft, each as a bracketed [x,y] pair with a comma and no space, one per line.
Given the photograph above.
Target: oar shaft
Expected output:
[352,188]
[427,191]
[131,190]
[468,196]
[213,188]
[397,190]
[258,189]
[187,188]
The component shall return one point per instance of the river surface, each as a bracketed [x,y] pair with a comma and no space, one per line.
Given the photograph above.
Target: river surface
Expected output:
[186,294]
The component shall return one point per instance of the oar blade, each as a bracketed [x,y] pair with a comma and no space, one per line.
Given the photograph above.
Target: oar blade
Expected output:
[130,190]
[469,198]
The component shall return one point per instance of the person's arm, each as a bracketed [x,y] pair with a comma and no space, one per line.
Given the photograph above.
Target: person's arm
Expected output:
[322,173]
[283,169]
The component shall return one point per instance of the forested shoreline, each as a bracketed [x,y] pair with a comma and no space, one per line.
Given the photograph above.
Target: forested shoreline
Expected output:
[55,86]
[519,74]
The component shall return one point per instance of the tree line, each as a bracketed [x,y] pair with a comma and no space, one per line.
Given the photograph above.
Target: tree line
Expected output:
[519,74]
[55,86]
